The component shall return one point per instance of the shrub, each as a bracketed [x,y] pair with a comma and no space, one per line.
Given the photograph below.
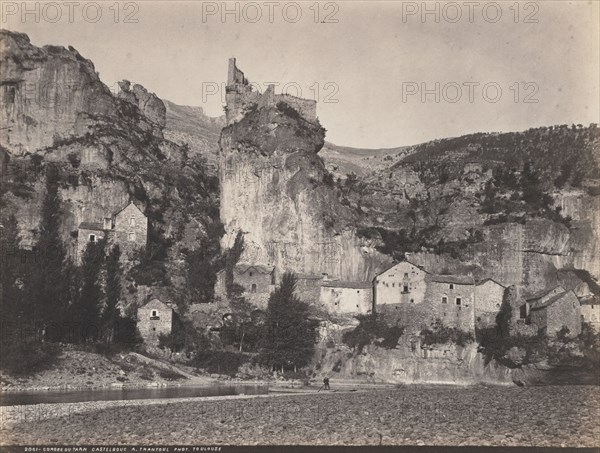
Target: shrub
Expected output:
[221,362]
[371,328]
[28,357]
[441,334]
[170,375]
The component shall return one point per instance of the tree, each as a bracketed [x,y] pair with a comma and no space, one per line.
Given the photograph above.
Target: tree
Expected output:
[87,309]
[505,314]
[10,292]
[111,314]
[201,272]
[290,336]
[47,287]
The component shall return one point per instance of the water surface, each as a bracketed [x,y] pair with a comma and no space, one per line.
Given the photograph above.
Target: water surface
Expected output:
[75,396]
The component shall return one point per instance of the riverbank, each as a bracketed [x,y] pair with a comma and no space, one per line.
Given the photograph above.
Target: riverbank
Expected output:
[409,415]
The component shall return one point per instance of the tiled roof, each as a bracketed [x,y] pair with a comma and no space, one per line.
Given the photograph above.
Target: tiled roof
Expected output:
[539,306]
[457,279]
[126,206]
[395,264]
[542,293]
[243,268]
[344,284]
[91,226]
[309,277]
[481,282]
[590,300]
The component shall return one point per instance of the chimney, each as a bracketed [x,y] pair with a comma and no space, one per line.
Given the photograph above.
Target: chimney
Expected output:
[107,223]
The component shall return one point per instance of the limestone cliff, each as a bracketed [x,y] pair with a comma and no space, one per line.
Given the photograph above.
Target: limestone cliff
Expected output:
[272,189]
[52,94]
[106,149]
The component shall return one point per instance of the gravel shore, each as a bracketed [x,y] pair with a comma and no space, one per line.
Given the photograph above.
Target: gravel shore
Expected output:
[412,415]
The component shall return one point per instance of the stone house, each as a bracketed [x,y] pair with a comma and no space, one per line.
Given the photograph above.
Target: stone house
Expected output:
[402,283]
[347,297]
[308,287]
[538,298]
[451,299]
[590,311]
[88,232]
[154,318]
[488,300]
[552,314]
[128,228]
[257,281]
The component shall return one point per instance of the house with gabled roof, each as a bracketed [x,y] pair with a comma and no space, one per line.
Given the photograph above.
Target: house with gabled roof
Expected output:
[347,297]
[402,283]
[256,280]
[552,313]
[153,319]
[489,295]
[128,228]
[590,311]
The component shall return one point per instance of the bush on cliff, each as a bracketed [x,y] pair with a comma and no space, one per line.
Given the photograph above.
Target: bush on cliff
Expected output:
[441,334]
[372,329]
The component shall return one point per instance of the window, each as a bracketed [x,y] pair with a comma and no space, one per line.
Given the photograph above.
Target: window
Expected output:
[458,301]
[358,291]
[405,289]
[250,274]
[253,287]
[132,221]
[154,313]
[451,286]
[131,237]
[405,275]
[92,238]
[9,94]
[523,311]
[393,285]
[154,329]
[412,301]
[444,300]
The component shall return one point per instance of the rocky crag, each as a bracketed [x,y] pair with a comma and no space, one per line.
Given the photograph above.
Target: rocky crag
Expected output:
[273,188]
[107,150]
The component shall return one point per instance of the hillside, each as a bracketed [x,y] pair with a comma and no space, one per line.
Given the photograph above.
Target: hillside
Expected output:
[189,126]
[106,151]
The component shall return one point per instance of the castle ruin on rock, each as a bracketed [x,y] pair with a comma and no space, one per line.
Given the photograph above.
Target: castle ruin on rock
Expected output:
[272,191]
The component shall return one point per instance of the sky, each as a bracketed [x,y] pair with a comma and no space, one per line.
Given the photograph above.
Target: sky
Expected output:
[385,74]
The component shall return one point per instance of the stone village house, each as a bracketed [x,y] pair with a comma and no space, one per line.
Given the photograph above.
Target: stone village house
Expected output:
[590,311]
[153,319]
[414,297]
[128,228]
[552,310]
[258,281]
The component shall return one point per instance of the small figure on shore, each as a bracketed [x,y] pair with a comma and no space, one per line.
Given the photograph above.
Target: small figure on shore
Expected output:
[326,383]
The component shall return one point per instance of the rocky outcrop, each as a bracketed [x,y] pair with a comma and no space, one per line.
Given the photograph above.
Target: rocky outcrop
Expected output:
[438,364]
[149,104]
[272,190]
[105,150]
[53,94]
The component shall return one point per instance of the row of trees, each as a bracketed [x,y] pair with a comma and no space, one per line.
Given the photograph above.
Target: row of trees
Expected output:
[48,298]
